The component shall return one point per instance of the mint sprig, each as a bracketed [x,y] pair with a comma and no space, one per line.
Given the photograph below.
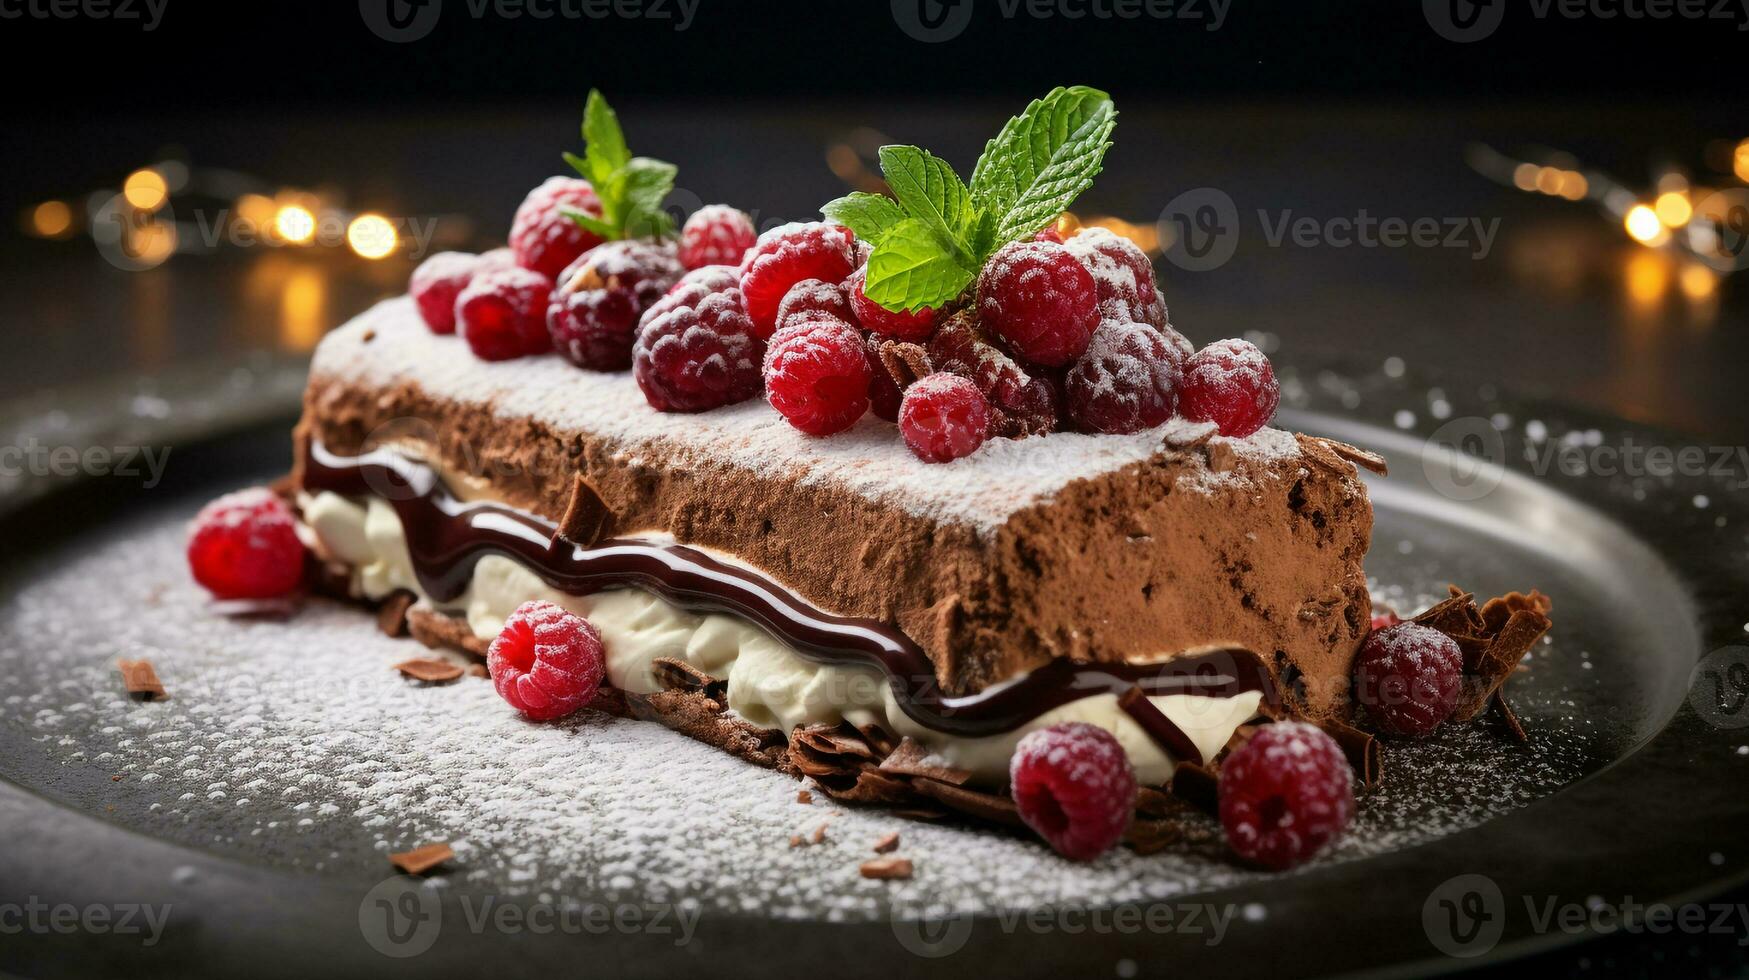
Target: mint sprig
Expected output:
[631,188]
[934,235]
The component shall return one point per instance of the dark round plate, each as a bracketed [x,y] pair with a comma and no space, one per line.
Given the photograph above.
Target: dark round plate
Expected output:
[1646,695]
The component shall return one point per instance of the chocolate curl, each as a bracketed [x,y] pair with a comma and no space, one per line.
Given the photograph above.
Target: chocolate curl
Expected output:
[1197,786]
[1494,640]
[392,614]
[975,803]
[434,629]
[430,671]
[141,680]
[1361,749]
[911,759]
[422,859]
[1160,728]
[678,675]
[1499,660]
[905,363]
[587,517]
[1147,837]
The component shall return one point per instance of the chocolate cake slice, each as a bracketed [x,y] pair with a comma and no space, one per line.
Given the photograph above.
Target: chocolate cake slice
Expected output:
[1086,564]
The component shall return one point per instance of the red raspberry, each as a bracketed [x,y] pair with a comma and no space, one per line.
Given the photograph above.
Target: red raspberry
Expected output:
[786,255]
[817,376]
[694,286]
[1049,234]
[1123,276]
[1285,794]
[1231,384]
[546,662]
[245,545]
[542,237]
[1380,620]
[812,299]
[1074,787]
[593,314]
[1040,299]
[1127,380]
[1021,403]
[716,234]
[1408,677]
[915,325]
[437,282]
[503,314]
[697,356]
[943,417]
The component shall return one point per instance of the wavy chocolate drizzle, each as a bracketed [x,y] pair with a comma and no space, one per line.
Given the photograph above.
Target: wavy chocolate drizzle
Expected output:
[446,537]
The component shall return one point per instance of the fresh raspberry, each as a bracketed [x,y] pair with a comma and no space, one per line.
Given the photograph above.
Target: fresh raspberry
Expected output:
[1231,384]
[1127,380]
[542,237]
[1049,234]
[546,662]
[943,417]
[817,376]
[1285,794]
[1123,276]
[1408,677]
[1040,299]
[786,255]
[697,356]
[716,234]
[1380,620]
[245,545]
[913,325]
[695,286]
[812,299]
[503,314]
[1021,403]
[498,258]
[1074,787]
[437,282]
[593,314]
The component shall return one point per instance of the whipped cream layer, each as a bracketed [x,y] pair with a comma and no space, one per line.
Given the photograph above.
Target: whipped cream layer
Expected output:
[769,684]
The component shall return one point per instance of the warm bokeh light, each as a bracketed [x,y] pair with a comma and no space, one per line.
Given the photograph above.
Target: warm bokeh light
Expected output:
[372,236]
[257,211]
[1741,161]
[294,223]
[150,243]
[1697,281]
[1524,176]
[145,189]
[1673,209]
[1548,180]
[303,308]
[1574,186]
[1642,223]
[1648,278]
[51,219]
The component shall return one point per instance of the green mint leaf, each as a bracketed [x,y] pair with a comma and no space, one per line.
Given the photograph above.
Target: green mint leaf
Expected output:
[642,185]
[605,150]
[929,191]
[869,215]
[912,268]
[580,165]
[1042,160]
[590,223]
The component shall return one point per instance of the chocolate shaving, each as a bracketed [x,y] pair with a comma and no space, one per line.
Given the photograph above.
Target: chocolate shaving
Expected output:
[1152,836]
[1160,728]
[141,680]
[436,630]
[392,614]
[819,834]
[1361,749]
[1494,640]
[911,759]
[1372,462]
[985,806]
[1196,786]
[1194,436]
[1152,802]
[703,719]
[478,670]
[587,517]
[903,362]
[803,796]
[887,844]
[1509,719]
[678,675]
[430,671]
[886,868]
[422,859]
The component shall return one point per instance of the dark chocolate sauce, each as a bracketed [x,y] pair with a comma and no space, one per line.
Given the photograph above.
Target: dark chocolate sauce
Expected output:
[446,537]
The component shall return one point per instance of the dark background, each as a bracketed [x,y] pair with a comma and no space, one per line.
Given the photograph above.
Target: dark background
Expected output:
[1321,109]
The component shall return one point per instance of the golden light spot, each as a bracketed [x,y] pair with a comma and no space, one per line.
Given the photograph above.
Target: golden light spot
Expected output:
[1548,180]
[1673,209]
[51,219]
[372,236]
[294,223]
[1740,161]
[1648,278]
[1697,281]
[303,304]
[257,211]
[1524,176]
[145,189]
[1574,186]
[1643,224]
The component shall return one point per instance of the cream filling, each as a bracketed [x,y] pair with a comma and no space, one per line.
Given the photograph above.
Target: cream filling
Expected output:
[769,684]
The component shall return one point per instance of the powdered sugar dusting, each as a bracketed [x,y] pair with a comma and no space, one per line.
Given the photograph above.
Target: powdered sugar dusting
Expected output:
[981,490]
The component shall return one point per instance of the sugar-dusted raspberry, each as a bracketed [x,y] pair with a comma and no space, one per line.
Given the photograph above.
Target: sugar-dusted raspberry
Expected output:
[812,299]
[943,417]
[503,314]
[817,375]
[694,286]
[1173,337]
[1022,403]
[1285,794]
[786,255]
[1122,275]
[437,282]
[1126,381]
[913,325]
[546,662]
[1040,299]
[697,356]
[1380,620]
[1075,787]
[1050,234]
[1230,383]
[716,234]
[1408,678]
[594,312]
[245,545]
[542,237]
